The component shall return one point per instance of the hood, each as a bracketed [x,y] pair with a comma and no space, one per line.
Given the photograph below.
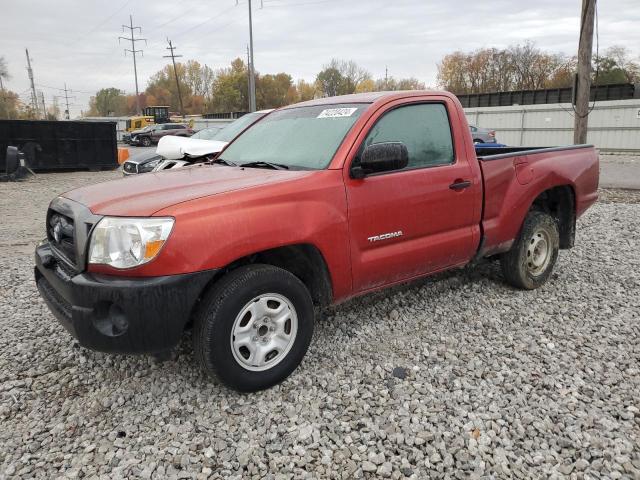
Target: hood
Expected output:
[143,157]
[175,148]
[143,195]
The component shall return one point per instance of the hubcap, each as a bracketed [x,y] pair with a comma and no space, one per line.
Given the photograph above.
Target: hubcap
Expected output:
[538,252]
[264,331]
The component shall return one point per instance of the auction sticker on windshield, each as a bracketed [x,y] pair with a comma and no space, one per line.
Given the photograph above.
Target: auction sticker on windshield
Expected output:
[336,112]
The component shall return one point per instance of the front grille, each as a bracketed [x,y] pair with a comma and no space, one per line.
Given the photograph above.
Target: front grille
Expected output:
[61,235]
[129,167]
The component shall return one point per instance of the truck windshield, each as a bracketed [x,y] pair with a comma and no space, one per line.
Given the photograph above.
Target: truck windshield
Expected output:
[303,137]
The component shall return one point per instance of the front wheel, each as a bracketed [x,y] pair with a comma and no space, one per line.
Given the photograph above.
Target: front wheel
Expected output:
[254,327]
[529,263]
[146,142]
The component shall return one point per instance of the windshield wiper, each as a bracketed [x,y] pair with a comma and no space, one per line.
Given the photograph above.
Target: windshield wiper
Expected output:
[275,166]
[222,161]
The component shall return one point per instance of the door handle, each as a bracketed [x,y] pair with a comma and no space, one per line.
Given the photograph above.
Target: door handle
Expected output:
[460,184]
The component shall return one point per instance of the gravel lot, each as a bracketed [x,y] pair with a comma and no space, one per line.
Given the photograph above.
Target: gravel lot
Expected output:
[453,377]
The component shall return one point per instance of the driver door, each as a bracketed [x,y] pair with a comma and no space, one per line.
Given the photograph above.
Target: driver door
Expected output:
[410,222]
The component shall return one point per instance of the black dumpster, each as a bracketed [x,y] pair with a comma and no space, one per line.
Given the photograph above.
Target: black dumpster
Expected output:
[61,145]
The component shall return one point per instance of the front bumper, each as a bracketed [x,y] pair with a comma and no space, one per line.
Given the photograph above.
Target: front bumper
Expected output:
[119,314]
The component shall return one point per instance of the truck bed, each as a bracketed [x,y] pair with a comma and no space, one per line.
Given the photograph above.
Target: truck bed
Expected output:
[514,177]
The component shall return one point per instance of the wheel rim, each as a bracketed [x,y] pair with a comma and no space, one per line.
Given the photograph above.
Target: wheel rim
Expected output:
[264,332]
[538,252]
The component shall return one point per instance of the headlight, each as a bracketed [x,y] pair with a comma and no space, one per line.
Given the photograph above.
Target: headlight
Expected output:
[149,166]
[123,242]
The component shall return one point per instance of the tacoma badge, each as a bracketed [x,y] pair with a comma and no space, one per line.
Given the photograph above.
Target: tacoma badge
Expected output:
[385,236]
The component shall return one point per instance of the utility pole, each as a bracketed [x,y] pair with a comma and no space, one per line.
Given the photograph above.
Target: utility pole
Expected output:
[44,107]
[133,51]
[252,75]
[386,77]
[175,72]
[34,97]
[66,99]
[583,78]
[248,77]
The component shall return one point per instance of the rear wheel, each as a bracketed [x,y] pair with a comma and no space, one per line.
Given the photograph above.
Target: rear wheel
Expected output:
[477,140]
[529,263]
[254,327]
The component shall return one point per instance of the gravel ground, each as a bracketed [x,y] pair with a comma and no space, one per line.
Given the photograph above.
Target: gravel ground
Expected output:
[458,376]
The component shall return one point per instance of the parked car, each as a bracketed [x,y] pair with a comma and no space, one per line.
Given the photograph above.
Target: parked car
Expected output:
[153,133]
[482,135]
[177,152]
[316,203]
[126,137]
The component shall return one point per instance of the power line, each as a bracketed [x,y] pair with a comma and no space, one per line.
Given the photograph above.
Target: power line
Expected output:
[175,71]
[190,29]
[133,51]
[63,89]
[101,23]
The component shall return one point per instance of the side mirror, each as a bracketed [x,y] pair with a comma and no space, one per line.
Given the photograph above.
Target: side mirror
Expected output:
[381,157]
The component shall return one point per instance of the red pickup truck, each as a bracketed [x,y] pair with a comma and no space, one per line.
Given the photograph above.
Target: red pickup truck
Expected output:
[316,203]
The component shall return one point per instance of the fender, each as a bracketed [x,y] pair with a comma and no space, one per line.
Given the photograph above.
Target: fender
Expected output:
[240,223]
[509,200]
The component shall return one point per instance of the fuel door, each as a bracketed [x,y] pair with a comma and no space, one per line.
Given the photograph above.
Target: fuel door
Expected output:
[524,171]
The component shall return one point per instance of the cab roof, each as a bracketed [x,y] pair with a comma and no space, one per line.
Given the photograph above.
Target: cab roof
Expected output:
[368,97]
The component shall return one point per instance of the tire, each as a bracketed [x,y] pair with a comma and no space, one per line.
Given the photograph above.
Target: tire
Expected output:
[529,263]
[234,332]
[146,142]
[477,140]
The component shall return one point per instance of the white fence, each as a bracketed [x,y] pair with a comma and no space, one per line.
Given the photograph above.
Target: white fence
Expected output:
[614,126]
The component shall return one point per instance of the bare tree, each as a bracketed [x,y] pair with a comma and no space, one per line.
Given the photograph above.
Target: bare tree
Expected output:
[4,72]
[519,67]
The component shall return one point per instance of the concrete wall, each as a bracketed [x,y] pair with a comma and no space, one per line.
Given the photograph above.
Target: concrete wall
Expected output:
[614,126]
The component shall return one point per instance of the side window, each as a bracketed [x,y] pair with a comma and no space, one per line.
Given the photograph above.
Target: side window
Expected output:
[473,129]
[423,128]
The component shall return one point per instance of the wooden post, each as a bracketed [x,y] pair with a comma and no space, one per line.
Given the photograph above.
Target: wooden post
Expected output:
[583,84]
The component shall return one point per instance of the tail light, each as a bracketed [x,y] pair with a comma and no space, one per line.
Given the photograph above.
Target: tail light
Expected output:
[492,133]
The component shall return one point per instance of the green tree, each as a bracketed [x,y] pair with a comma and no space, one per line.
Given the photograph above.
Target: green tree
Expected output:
[330,82]
[273,91]
[108,102]
[229,91]
[615,66]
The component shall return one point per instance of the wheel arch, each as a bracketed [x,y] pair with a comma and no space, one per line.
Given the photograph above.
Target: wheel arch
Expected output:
[303,260]
[559,202]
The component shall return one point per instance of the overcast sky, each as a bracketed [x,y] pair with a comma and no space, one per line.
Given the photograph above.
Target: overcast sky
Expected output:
[77,41]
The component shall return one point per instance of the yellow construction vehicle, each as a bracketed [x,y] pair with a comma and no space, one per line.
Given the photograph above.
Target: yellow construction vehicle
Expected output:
[150,115]
[137,123]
